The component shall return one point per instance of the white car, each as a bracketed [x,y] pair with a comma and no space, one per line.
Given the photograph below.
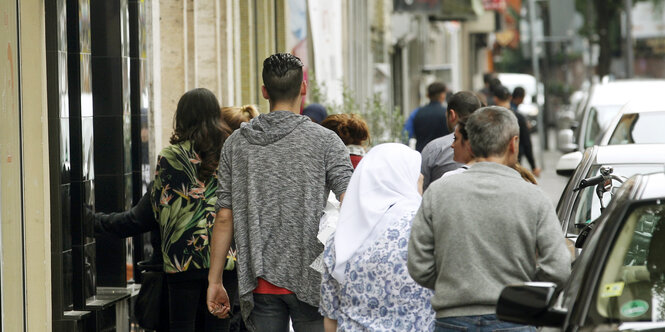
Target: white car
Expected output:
[604,103]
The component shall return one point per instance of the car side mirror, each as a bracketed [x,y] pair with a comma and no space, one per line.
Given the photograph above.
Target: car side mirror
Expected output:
[574,125]
[568,163]
[565,140]
[529,304]
[584,234]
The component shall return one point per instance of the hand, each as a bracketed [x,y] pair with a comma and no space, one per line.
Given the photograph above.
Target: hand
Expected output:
[218,301]
[536,172]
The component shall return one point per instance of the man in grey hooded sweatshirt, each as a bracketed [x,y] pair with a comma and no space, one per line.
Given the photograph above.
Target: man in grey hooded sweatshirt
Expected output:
[275,174]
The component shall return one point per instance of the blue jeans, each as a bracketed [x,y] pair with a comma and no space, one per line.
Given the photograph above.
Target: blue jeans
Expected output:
[484,323]
[272,313]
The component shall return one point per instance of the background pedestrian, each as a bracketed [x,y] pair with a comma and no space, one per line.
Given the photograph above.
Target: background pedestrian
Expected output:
[353,131]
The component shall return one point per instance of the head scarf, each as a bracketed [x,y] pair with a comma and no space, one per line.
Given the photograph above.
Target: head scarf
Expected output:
[383,188]
[316,112]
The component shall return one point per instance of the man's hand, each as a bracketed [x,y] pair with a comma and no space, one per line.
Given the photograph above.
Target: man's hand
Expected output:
[218,301]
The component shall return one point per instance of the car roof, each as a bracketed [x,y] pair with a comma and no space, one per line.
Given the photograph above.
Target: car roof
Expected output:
[654,104]
[623,91]
[631,154]
[653,186]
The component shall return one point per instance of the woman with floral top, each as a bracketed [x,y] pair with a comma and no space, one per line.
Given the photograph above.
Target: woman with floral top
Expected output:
[365,282]
[184,200]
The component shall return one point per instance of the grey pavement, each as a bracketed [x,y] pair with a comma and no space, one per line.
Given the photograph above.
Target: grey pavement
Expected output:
[551,183]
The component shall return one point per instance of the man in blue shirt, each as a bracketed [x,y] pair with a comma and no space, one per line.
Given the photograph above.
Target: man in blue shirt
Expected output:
[429,122]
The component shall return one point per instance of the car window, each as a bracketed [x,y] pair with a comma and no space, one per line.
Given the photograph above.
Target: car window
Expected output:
[587,205]
[632,283]
[640,128]
[599,119]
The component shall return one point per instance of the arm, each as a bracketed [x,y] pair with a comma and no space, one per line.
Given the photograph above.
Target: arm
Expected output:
[330,289]
[553,257]
[425,167]
[421,260]
[139,219]
[338,166]
[217,299]
[408,126]
[329,325]
[222,233]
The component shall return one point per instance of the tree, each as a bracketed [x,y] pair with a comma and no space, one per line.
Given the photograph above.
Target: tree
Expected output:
[603,28]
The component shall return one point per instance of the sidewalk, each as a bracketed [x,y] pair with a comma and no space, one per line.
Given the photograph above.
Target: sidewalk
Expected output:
[551,183]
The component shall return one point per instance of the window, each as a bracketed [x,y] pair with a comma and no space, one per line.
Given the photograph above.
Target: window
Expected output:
[639,128]
[598,121]
[632,284]
[587,205]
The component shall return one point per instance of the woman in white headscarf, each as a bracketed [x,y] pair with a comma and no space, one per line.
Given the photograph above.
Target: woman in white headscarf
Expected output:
[366,285]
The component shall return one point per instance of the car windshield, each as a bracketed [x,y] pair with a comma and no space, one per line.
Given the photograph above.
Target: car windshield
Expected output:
[587,206]
[631,287]
[640,128]
[599,118]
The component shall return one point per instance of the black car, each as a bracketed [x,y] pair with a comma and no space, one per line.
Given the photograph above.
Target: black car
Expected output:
[618,282]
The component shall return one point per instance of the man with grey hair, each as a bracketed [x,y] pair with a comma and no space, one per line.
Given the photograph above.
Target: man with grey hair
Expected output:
[483,229]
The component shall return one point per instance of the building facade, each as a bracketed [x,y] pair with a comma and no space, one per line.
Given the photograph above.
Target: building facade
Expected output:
[89,90]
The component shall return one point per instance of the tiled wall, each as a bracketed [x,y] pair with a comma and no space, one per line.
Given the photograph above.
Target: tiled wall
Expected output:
[81,135]
[112,123]
[140,103]
[96,117]
[59,156]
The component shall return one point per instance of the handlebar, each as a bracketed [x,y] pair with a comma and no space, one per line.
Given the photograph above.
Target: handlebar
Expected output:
[605,174]
[590,182]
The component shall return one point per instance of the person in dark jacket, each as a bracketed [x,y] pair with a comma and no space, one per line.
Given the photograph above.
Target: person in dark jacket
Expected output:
[430,121]
[526,148]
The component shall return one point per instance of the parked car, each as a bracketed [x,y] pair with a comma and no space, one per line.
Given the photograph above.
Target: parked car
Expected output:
[618,283]
[604,102]
[533,102]
[567,115]
[578,207]
[638,122]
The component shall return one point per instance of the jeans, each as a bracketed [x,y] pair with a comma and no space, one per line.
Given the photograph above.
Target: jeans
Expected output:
[484,323]
[271,313]
[187,307]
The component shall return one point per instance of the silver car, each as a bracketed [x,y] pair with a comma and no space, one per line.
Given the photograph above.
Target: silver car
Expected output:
[576,208]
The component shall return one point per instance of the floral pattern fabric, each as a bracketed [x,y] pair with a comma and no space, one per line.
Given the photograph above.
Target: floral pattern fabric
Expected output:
[184,207]
[377,294]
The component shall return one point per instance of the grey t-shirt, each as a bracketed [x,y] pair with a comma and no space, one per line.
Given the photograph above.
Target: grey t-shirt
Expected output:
[437,159]
[275,173]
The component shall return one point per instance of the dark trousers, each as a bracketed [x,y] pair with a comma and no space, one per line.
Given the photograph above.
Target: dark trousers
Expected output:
[483,323]
[272,313]
[187,305]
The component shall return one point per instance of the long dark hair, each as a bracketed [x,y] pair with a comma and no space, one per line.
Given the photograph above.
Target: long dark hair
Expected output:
[198,119]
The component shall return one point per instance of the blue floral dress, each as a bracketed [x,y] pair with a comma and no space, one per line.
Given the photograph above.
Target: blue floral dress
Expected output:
[377,294]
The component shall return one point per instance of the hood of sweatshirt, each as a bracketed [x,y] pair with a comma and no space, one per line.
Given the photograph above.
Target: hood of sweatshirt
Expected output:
[269,128]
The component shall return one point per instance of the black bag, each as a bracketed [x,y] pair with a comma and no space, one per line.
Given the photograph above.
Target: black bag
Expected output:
[152,303]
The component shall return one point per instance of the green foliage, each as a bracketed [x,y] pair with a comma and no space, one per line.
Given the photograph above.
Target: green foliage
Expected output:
[558,89]
[385,123]
[513,61]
